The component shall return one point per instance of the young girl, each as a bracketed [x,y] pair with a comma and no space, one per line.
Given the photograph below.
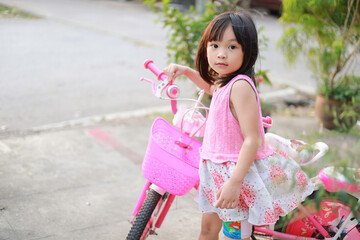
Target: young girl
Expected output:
[243,182]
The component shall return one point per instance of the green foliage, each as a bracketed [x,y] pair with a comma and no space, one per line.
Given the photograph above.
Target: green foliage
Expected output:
[185,30]
[328,33]
[348,89]
[10,12]
[346,117]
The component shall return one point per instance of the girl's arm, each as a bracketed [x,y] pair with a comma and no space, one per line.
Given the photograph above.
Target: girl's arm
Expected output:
[175,70]
[244,103]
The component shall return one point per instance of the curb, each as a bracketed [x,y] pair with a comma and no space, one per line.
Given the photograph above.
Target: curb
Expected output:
[88,121]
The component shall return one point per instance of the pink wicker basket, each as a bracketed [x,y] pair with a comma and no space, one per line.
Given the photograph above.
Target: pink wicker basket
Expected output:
[172,159]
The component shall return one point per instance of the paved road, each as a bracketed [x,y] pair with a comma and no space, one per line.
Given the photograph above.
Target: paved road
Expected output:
[83,58]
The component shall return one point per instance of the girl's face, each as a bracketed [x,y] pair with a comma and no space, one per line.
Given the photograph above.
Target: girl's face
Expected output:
[226,55]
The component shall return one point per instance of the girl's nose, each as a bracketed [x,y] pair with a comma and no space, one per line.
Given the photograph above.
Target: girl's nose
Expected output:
[221,53]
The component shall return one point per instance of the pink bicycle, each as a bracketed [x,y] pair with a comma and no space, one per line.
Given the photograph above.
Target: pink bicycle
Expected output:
[171,163]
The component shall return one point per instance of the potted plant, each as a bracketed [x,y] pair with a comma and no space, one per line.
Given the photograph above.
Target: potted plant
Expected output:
[328,33]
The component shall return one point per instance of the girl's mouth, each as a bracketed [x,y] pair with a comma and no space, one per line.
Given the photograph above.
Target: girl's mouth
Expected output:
[221,64]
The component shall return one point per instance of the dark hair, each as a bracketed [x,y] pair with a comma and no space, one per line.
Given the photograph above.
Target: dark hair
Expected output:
[246,35]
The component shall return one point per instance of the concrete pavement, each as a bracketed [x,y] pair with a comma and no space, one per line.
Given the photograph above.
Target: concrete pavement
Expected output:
[84,57]
[79,183]
[82,182]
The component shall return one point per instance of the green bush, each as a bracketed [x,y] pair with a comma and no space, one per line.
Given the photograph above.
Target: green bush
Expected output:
[184,30]
[327,32]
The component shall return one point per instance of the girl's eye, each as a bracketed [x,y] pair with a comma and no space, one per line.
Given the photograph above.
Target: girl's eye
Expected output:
[214,45]
[232,47]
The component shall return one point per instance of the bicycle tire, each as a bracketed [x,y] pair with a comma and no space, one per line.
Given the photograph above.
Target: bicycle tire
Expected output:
[144,215]
[311,203]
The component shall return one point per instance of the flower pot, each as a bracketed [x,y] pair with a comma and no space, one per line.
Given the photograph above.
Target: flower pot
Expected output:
[329,111]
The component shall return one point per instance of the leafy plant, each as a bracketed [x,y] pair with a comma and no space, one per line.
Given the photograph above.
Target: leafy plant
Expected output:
[185,30]
[328,33]
[346,116]
[346,90]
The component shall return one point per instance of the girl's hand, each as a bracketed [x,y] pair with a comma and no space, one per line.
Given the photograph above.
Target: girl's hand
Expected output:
[175,70]
[228,195]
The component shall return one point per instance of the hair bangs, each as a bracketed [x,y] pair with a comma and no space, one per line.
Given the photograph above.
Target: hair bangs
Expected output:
[217,31]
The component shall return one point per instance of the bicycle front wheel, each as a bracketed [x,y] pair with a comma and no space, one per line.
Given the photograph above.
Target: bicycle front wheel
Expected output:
[144,215]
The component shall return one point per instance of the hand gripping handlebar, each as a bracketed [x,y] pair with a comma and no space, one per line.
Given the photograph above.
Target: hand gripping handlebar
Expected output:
[172,91]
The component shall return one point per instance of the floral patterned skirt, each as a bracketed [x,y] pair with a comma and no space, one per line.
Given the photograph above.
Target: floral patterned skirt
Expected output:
[273,187]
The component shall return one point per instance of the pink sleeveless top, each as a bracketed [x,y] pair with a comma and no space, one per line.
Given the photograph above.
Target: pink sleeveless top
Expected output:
[223,137]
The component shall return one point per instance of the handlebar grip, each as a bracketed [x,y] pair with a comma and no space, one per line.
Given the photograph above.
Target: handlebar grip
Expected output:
[149,64]
[267,121]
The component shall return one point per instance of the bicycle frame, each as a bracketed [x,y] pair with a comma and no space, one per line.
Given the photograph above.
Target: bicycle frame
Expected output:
[155,153]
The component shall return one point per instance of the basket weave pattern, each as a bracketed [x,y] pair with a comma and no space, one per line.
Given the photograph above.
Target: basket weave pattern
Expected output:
[171,166]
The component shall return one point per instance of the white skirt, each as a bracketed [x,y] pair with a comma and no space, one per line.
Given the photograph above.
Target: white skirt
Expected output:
[273,187]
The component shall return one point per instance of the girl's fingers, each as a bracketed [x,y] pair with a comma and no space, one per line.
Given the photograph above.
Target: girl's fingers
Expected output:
[167,72]
[232,205]
[219,204]
[220,200]
[171,72]
[219,193]
[173,76]
[222,203]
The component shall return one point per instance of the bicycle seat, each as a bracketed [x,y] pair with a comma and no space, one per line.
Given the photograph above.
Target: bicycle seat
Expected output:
[339,178]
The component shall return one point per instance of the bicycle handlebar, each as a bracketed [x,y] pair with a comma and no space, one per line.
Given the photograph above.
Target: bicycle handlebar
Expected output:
[267,122]
[172,90]
[149,64]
